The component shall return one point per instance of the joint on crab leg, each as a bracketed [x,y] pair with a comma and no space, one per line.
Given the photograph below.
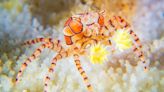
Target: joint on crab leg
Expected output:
[82,73]
[52,66]
[37,40]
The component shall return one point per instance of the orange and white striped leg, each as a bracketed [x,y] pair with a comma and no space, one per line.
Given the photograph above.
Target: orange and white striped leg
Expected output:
[54,45]
[36,53]
[135,38]
[141,56]
[52,66]
[82,73]
[112,27]
[37,40]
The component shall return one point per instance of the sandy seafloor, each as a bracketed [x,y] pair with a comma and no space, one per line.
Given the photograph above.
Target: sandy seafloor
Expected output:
[148,23]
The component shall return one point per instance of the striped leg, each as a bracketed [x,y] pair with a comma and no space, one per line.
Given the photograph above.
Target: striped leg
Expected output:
[36,53]
[52,66]
[54,45]
[37,40]
[82,72]
[141,56]
[119,23]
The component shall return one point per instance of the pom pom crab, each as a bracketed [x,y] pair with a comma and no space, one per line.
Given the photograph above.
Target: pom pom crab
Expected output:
[80,32]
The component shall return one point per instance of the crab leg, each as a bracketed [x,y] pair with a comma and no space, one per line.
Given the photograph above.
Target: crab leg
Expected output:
[36,53]
[52,66]
[141,56]
[82,72]
[37,40]
[52,45]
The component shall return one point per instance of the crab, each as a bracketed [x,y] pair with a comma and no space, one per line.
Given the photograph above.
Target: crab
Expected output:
[82,31]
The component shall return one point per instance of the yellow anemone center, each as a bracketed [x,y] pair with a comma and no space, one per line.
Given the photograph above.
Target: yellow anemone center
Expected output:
[98,54]
[122,39]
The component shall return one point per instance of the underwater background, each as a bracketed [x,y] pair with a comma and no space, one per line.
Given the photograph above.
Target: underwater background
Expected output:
[22,20]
